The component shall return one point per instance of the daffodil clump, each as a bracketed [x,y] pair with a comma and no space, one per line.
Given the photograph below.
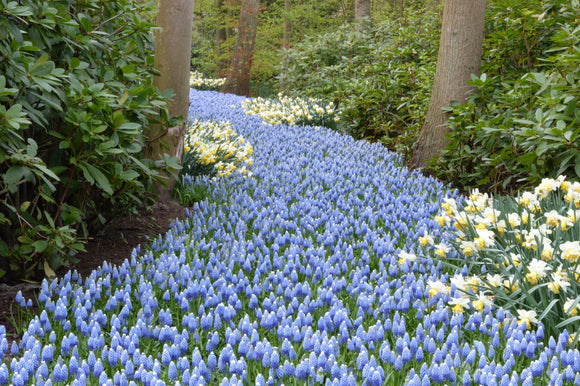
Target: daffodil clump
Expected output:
[521,253]
[213,148]
[293,111]
[198,81]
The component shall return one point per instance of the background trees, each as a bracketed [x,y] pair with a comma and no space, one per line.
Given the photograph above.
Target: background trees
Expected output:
[216,24]
[238,78]
[362,10]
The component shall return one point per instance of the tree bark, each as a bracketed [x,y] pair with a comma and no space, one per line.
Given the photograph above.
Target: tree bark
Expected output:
[172,59]
[238,79]
[362,11]
[220,37]
[459,56]
[287,24]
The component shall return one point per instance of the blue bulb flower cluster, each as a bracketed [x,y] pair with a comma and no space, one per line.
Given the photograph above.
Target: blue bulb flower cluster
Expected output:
[309,272]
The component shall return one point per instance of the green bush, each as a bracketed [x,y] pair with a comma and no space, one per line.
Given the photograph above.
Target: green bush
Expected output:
[380,78]
[521,123]
[75,94]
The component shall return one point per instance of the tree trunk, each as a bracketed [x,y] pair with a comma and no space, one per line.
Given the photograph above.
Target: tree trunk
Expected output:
[172,58]
[220,37]
[287,24]
[362,11]
[459,56]
[238,79]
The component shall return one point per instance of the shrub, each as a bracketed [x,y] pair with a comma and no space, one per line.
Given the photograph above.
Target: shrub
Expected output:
[75,93]
[521,253]
[379,78]
[521,125]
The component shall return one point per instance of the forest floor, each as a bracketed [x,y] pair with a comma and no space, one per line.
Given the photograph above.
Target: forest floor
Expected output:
[113,245]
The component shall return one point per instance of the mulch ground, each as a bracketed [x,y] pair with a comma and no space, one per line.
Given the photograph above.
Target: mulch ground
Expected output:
[113,245]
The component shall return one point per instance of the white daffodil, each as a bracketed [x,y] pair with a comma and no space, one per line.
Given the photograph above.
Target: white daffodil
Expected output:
[527,316]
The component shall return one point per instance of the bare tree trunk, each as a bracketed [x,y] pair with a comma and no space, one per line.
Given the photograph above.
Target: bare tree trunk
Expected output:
[238,79]
[172,59]
[362,10]
[287,24]
[459,56]
[220,37]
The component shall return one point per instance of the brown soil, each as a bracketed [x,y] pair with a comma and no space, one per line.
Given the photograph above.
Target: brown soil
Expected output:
[114,245]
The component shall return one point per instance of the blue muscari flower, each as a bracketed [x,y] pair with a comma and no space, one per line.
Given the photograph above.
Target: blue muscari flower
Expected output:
[165,356]
[47,353]
[60,373]
[554,364]
[289,369]
[528,381]
[275,359]
[482,361]
[172,371]
[14,348]
[17,380]
[85,367]
[103,379]
[20,299]
[217,324]
[113,358]
[471,357]
[98,368]
[362,359]
[260,381]
[211,361]
[73,366]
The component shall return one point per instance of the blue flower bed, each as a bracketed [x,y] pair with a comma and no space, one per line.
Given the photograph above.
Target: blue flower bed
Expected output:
[294,276]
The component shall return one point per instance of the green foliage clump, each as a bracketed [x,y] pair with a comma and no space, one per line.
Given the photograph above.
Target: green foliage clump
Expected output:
[521,122]
[75,95]
[379,77]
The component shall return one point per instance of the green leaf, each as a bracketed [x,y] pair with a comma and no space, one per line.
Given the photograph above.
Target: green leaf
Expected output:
[131,128]
[50,274]
[49,100]
[32,148]
[74,62]
[547,309]
[86,22]
[568,321]
[14,174]
[98,177]
[40,246]
[129,175]
[47,171]
[527,158]
[540,78]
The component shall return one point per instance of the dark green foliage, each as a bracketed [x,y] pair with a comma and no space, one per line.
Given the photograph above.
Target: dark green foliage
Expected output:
[380,78]
[521,123]
[188,191]
[75,94]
